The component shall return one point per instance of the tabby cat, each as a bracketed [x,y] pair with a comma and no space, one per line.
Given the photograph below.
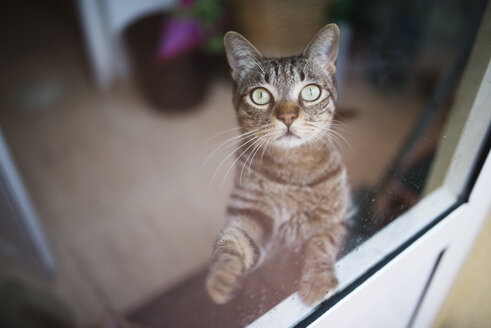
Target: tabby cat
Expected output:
[294,188]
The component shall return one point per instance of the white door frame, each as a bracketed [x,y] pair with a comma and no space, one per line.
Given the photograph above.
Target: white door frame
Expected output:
[29,245]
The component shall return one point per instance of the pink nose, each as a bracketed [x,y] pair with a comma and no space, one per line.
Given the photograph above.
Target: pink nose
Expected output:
[287,118]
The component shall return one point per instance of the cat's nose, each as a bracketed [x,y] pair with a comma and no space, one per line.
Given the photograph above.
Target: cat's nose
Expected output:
[287,118]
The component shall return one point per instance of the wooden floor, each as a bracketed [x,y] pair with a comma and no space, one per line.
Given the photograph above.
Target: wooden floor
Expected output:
[121,188]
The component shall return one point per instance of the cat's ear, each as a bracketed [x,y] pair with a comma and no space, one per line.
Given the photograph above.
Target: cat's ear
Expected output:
[241,54]
[323,49]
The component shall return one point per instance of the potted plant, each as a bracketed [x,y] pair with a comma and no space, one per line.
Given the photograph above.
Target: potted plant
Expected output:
[169,52]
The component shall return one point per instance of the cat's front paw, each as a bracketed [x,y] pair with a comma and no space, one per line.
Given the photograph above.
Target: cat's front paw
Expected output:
[224,278]
[315,285]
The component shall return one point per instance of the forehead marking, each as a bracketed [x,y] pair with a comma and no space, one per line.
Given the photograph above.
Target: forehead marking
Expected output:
[276,67]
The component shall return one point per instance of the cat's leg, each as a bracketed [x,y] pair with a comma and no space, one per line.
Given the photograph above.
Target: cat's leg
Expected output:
[237,250]
[318,273]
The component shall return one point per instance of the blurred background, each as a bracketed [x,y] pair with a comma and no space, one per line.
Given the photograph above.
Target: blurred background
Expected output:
[109,108]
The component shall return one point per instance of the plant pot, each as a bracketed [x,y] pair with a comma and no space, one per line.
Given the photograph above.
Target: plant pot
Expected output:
[175,84]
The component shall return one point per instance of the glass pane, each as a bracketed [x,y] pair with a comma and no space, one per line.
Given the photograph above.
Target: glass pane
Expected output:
[192,178]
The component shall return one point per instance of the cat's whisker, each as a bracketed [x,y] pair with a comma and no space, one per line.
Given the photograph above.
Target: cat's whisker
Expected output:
[221,133]
[238,157]
[254,155]
[245,162]
[338,128]
[223,161]
[337,141]
[329,140]
[226,144]
[264,137]
[315,142]
[223,147]
[261,139]
[270,141]
[334,132]
[339,124]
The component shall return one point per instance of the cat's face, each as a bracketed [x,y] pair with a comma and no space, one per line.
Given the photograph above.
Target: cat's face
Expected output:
[285,102]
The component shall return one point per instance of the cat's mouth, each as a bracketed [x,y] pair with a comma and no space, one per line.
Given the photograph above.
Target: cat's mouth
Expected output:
[288,135]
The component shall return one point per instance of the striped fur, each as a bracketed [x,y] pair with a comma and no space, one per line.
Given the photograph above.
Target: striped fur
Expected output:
[291,184]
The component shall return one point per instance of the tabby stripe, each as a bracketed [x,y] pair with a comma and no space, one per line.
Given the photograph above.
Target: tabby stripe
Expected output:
[253,245]
[324,103]
[320,267]
[232,253]
[257,216]
[331,239]
[330,93]
[332,89]
[328,176]
[246,192]
[276,68]
[240,189]
[225,246]
[274,178]
[245,199]
[222,287]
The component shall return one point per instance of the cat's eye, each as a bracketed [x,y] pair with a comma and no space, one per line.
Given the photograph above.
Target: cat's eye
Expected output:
[260,96]
[310,92]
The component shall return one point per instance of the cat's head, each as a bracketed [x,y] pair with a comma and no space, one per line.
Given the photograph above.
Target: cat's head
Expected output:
[287,101]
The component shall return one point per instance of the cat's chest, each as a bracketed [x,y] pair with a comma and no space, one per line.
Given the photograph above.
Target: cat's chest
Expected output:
[296,201]
[303,211]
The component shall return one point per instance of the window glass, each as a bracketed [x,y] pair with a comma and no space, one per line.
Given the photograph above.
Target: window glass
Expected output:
[125,132]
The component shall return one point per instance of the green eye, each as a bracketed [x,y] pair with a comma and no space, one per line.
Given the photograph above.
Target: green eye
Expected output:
[260,96]
[310,92]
